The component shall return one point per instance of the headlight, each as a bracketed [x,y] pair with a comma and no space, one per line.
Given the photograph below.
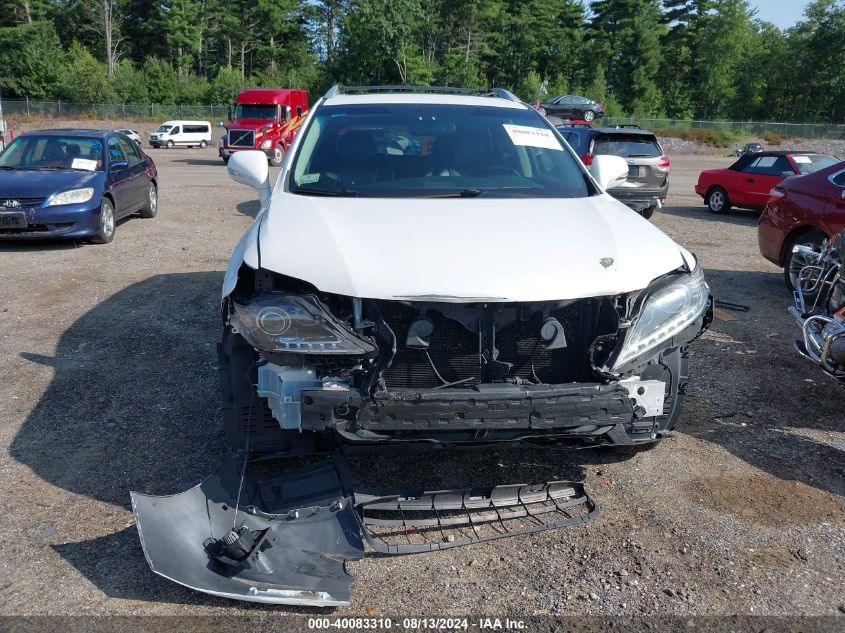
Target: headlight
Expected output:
[74,196]
[266,144]
[300,324]
[667,312]
[221,141]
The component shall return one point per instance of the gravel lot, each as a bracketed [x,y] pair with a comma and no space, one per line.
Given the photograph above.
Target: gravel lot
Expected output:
[109,367]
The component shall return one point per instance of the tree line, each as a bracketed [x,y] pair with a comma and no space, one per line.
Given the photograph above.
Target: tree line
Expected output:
[710,59]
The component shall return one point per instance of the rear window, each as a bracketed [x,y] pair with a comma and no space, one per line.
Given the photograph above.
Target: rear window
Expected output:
[573,137]
[810,163]
[627,145]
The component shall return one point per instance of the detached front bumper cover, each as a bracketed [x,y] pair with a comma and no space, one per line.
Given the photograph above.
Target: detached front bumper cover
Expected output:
[290,539]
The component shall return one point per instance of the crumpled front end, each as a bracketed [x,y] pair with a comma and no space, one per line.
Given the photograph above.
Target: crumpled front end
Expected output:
[601,370]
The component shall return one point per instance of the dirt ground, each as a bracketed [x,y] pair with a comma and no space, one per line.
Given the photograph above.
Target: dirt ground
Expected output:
[107,356]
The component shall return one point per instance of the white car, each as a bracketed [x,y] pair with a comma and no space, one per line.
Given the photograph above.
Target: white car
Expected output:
[131,134]
[442,268]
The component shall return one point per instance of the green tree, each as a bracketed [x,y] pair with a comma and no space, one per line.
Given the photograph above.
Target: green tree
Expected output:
[161,80]
[33,60]
[727,32]
[84,78]
[130,84]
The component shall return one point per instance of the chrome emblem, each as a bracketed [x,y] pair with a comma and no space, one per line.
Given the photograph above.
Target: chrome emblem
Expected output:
[607,262]
[631,161]
[11,204]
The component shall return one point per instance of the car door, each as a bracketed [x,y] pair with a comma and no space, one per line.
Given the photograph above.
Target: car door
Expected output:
[563,107]
[120,182]
[138,179]
[760,175]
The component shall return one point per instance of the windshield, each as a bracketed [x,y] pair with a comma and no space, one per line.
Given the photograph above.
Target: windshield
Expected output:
[53,152]
[808,164]
[165,128]
[627,146]
[255,111]
[414,150]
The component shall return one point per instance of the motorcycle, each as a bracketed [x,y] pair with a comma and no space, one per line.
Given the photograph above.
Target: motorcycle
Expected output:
[820,306]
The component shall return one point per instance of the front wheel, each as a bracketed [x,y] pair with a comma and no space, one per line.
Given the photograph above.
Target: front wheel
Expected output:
[105,230]
[150,208]
[277,157]
[169,144]
[794,262]
[225,160]
[717,201]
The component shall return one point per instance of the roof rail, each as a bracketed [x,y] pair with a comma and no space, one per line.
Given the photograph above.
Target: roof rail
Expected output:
[338,89]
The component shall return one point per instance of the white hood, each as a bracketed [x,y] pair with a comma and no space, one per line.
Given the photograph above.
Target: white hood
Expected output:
[498,249]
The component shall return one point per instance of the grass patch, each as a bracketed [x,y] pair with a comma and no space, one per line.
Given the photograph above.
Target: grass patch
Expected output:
[773,138]
[714,138]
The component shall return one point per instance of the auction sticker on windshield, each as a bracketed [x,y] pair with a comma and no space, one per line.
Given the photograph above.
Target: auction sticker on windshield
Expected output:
[532,136]
[84,163]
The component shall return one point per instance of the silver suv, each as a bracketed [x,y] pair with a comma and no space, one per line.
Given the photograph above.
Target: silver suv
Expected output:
[648,166]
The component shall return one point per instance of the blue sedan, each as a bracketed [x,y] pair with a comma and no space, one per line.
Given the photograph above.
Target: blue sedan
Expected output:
[73,184]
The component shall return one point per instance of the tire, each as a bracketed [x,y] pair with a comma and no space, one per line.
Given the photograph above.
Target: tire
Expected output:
[242,406]
[543,111]
[150,209]
[203,144]
[647,213]
[105,232]
[717,200]
[225,160]
[792,265]
[589,116]
[278,156]
[169,145]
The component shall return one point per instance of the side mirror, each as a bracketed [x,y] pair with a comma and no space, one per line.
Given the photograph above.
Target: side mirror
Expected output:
[119,165]
[229,112]
[609,171]
[250,168]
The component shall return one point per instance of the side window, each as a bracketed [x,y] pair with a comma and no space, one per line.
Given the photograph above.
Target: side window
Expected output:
[760,165]
[839,179]
[115,153]
[130,151]
[176,130]
[769,166]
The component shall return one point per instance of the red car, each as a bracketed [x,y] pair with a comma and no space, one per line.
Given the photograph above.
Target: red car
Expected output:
[749,180]
[805,210]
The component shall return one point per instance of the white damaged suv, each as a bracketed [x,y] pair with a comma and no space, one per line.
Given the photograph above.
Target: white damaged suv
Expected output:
[438,266]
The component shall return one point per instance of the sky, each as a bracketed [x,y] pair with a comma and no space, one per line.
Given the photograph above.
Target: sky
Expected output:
[782,13]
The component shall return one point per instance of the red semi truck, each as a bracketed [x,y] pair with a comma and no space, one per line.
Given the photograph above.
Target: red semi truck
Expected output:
[265,119]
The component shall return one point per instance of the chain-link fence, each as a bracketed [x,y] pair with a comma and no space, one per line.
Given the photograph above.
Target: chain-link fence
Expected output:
[739,128]
[159,112]
[109,111]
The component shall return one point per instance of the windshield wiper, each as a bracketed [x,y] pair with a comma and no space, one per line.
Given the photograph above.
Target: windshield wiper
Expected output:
[465,193]
[345,193]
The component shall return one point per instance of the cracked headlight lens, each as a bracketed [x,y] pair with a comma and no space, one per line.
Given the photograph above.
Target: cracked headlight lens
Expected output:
[666,313]
[299,324]
[74,196]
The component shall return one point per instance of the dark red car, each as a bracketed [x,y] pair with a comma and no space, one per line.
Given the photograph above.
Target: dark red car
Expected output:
[805,210]
[749,180]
